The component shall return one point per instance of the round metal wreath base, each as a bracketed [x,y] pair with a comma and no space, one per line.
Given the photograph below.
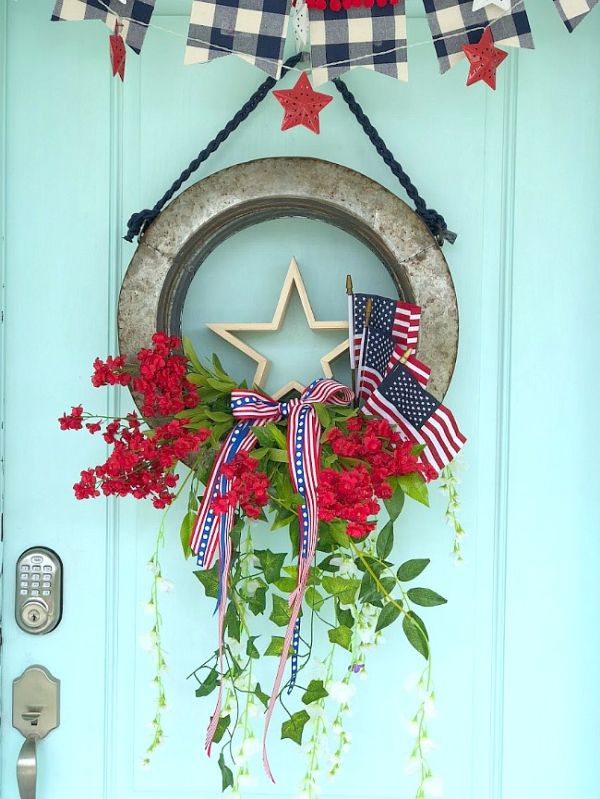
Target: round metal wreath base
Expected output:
[198,220]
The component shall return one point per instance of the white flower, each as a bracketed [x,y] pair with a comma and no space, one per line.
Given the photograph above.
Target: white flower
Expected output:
[429,708]
[433,787]
[149,608]
[147,641]
[251,586]
[413,728]
[253,711]
[412,765]
[152,567]
[247,781]
[427,745]
[249,747]
[341,692]
[165,585]
[366,635]
[411,682]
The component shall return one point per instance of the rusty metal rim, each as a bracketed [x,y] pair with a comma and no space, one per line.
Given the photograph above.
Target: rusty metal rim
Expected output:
[202,217]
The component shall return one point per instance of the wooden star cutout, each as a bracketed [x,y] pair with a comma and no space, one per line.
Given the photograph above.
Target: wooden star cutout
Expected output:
[503,5]
[302,105]
[228,330]
[484,59]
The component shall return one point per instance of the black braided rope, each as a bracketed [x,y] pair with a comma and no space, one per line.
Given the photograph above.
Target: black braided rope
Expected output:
[435,222]
[140,221]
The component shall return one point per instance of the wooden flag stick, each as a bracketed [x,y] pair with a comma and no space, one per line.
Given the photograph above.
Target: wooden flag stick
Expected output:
[406,355]
[350,295]
[368,312]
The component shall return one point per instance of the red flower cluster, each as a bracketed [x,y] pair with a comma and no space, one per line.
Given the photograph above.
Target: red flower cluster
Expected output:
[140,463]
[160,377]
[248,487]
[73,420]
[352,494]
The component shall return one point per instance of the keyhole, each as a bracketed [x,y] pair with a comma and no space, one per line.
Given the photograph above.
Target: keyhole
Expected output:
[34,615]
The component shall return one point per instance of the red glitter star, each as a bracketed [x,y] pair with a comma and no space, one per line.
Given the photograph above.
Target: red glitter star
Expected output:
[302,105]
[484,59]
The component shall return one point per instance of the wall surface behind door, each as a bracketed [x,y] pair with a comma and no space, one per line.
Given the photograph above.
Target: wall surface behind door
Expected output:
[516,173]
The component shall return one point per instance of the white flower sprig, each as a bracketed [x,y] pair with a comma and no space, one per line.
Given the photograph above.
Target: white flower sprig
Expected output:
[430,787]
[449,487]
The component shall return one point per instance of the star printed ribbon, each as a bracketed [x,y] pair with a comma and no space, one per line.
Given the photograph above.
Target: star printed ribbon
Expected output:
[211,531]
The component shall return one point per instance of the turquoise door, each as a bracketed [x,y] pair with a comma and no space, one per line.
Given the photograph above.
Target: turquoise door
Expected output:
[516,173]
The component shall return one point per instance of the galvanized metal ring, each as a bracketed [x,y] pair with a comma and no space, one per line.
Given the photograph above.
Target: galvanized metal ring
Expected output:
[202,217]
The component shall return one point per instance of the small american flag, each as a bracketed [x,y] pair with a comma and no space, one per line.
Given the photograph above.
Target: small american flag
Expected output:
[381,353]
[399,319]
[419,416]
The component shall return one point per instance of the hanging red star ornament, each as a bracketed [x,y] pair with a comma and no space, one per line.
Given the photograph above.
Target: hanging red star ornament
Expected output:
[302,105]
[117,52]
[484,59]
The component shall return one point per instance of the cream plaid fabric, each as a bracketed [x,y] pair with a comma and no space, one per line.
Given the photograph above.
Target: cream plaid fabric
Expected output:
[573,11]
[134,15]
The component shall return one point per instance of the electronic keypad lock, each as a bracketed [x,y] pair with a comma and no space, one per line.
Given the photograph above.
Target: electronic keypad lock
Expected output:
[39,583]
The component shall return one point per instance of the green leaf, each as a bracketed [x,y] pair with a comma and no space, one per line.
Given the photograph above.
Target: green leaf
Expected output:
[271,563]
[388,615]
[210,580]
[314,692]
[412,568]
[258,601]
[415,486]
[281,612]
[395,504]
[368,589]
[385,540]
[286,584]
[220,385]
[322,415]
[208,685]
[277,435]
[416,633]
[263,436]
[341,635]
[226,774]
[341,587]
[232,622]
[344,617]
[275,647]
[185,532]
[190,354]
[222,725]
[425,597]
[251,649]
[261,695]
[294,726]
[278,455]
[313,598]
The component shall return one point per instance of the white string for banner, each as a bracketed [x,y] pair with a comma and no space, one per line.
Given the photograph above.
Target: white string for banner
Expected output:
[356,60]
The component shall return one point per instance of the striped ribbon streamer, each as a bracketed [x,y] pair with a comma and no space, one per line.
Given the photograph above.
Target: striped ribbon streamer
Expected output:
[211,531]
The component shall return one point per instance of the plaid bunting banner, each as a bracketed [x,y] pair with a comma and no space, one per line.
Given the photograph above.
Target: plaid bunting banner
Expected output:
[573,11]
[374,38]
[254,29]
[134,15]
[454,23]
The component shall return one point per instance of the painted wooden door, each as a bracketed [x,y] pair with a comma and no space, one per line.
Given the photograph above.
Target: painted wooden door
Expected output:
[516,173]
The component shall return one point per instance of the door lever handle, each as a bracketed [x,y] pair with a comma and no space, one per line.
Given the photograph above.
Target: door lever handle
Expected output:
[36,700]
[27,768]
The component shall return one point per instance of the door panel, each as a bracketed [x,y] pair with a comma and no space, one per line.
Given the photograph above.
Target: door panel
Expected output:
[515,174]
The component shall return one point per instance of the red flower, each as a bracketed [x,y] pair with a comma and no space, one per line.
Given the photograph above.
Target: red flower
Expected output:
[73,420]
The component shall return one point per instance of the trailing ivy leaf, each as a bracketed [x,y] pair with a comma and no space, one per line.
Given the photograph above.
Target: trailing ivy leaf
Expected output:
[282,519]
[341,587]
[222,725]
[257,603]
[415,486]
[271,563]
[344,617]
[388,615]
[185,532]
[281,612]
[294,533]
[313,598]
[425,597]
[385,541]
[341,635]
[395,504]
[275,647]
[412,568]
[326,565]
[236,534]
[251,649]
[226,774]
[294,726]
[208,685]
[314,692]
[286,584]
[261,695]
[210,580]
[416,632]
[232,622]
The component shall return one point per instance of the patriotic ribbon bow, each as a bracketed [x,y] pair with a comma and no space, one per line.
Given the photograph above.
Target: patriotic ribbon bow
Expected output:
[211,531]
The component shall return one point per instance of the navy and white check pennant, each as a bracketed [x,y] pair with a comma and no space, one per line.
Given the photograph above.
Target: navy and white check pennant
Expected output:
[253,29]
[374,38]
[454,23]
[573,11]
[134,15]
